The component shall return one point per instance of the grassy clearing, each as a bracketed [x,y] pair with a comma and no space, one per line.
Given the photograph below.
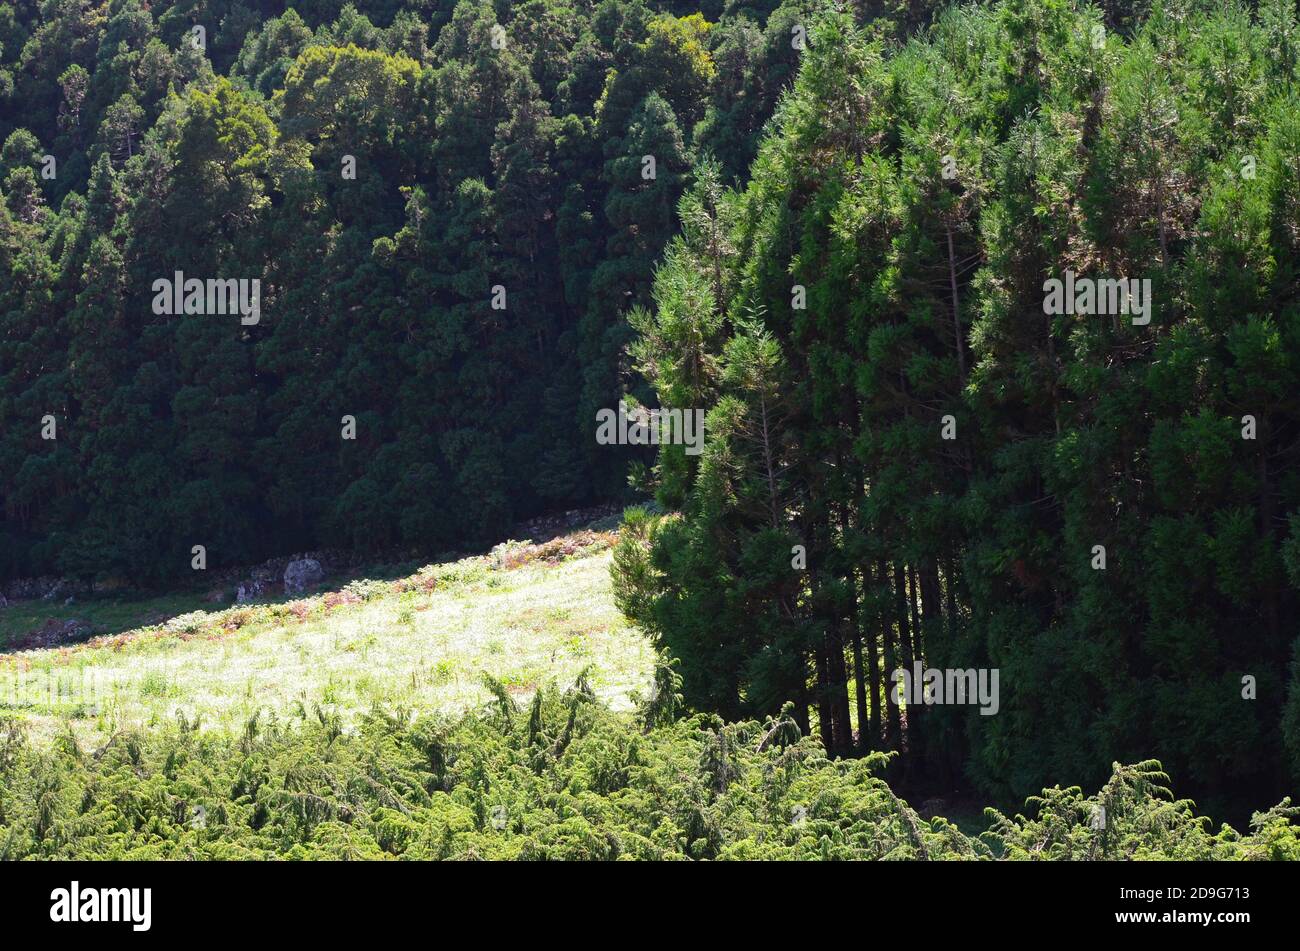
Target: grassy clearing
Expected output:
[422,643]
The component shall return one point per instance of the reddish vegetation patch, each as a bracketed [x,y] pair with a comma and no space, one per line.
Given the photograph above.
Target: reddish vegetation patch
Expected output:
[334,599]
[423,580]
[555,550]
[236,619]
[116,642]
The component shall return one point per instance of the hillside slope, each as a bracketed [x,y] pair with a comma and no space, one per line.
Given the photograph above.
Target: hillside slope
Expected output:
[524,615]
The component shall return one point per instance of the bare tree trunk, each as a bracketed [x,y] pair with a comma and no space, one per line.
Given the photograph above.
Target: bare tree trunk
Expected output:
[955,754]
[858,672]
[931,635]
[773,513]
[956,306]
[839,687]
[914,604]
[838,619]
[801,708]
[825,717]
[873,666]
[821,655]
[912,736]
[893,728]
[950,574]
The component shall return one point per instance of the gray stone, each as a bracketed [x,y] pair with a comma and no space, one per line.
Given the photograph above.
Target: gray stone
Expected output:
[301,574]
[248,591]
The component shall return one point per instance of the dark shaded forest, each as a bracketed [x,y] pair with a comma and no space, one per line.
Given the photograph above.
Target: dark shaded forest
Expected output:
[448,228]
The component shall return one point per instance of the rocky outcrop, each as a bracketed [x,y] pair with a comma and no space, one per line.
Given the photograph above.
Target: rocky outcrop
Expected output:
[301,574]
[54,633]
[44,588]
[256,587]
[289,575]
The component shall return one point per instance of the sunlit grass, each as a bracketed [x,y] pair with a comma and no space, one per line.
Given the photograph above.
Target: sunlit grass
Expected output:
[416,649]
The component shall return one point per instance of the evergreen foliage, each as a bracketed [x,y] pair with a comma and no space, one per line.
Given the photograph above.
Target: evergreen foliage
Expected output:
[564,779]
[948,453]
[495,145]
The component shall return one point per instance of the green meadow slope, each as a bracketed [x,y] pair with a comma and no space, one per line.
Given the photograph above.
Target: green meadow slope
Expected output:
[524,616]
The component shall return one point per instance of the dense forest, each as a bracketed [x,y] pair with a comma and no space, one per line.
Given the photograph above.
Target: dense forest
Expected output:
[881,243]
[445,206]
[915,453]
